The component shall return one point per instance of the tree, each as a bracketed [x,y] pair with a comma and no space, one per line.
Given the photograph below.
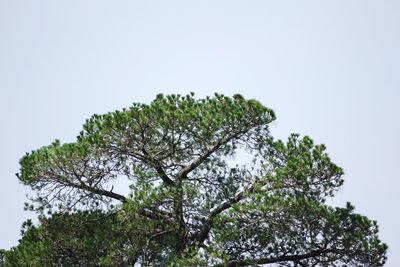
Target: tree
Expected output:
[190,203]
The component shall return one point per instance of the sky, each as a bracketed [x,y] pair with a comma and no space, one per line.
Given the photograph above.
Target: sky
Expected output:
[329,69]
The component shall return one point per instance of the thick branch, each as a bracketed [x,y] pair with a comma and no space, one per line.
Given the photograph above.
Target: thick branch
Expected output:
[99,191]
[284,258]
[201,235]
[162,174]
[151,238]
[155,164]
[195,163]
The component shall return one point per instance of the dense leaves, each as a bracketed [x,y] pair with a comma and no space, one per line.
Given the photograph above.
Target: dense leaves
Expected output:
[79,239]
[190,204]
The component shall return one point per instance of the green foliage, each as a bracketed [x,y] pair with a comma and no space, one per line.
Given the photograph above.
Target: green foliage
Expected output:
[78,239]
[190,204]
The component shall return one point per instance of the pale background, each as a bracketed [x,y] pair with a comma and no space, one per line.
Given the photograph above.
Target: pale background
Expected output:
[329,69]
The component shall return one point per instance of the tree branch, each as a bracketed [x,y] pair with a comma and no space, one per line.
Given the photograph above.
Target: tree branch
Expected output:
[162,174]
[202,234]
[151,238]
[98,191]
[195,163]
[284,258]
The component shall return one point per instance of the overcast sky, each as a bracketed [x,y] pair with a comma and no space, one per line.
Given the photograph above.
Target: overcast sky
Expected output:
[329,69]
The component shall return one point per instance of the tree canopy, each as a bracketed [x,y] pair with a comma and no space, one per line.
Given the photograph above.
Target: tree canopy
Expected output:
[195,199]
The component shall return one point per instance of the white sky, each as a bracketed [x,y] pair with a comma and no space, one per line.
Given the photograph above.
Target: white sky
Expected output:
[329,69]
